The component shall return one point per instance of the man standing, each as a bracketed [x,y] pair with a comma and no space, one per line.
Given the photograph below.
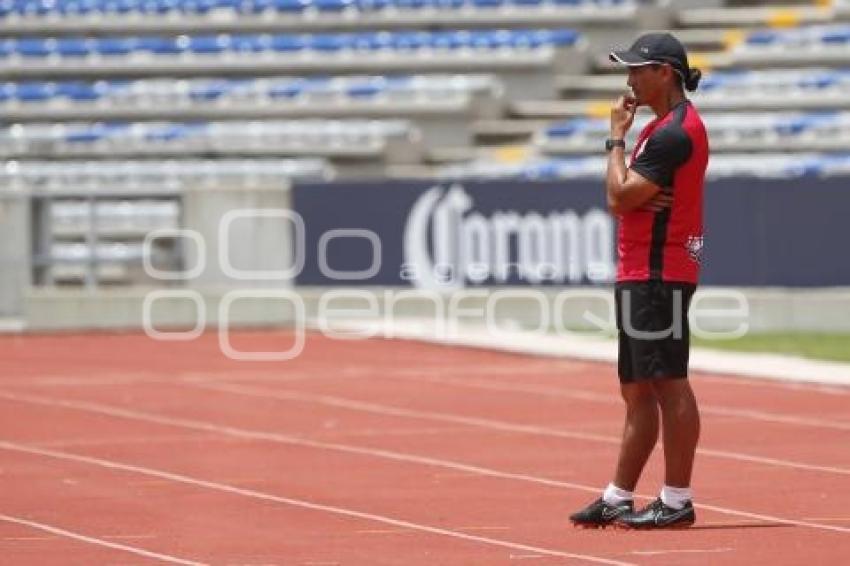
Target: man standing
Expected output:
[658,202]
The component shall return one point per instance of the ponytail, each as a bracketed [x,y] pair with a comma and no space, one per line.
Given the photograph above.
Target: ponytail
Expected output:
[692,80]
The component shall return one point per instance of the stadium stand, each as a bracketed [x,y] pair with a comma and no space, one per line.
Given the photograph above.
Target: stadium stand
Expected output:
[129,177]
[172,16]
[126,99]
[765,165]
[442,107]
[526,58]
[729,132]
[380,141]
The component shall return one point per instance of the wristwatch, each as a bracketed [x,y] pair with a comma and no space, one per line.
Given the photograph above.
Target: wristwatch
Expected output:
[612,143]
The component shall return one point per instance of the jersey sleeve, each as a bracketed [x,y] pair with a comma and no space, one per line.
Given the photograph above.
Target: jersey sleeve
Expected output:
[665,151]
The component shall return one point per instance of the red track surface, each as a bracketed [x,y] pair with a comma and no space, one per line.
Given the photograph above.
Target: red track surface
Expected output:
[117,449]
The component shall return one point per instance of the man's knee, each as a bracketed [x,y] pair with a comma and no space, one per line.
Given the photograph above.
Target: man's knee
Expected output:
[638,394]
[669,390]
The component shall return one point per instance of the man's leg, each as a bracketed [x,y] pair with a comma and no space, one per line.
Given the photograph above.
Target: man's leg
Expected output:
[680,429]
[640,433]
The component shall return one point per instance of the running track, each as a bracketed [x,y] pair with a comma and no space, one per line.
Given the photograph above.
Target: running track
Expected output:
[116,449]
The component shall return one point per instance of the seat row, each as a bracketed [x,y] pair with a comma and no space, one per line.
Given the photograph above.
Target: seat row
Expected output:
[159,7]
[719,124]
[113,174]
[335,138]
[770,165]
[36,47]
[207,89]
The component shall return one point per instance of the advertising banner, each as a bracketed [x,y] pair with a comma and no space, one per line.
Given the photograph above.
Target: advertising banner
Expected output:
[444,235]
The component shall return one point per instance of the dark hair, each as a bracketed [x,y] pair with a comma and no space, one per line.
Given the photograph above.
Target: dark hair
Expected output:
[692,80]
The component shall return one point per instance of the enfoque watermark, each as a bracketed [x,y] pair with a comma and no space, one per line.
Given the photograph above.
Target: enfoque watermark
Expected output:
[357,313]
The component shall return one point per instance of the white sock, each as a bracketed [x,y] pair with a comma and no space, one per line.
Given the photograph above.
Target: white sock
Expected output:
[613,495]
[675,497]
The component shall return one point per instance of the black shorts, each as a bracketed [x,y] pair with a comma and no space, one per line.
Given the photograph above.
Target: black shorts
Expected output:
[652,322]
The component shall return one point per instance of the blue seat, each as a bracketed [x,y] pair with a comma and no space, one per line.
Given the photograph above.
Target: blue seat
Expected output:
[113,45]
[85,134]
[118,6]
[34,91]
[159,45]
[7,47]
[762,37]
[33,47]
[73,46]
[377,5]
[442,40]
[169,132]
[286,89]
[7,91]
[368,41]
[255,6]
[562,129]
[365,89]
[819,80]
[722,78]
[329,41]
[290,5]
[836,35]
[563,37]
[485,40]
[195,6]
[287,42]
[78,90]
[331,5]
[409,4]
[210,90]
[249,43]
[798,124]
[33,8]
[78,7]
[209,43]
[487,3]
[158,6]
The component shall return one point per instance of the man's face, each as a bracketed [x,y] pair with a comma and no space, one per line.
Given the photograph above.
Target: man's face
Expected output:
[646,82]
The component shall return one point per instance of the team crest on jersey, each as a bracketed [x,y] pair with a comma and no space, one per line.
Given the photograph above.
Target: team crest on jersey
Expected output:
[694,246]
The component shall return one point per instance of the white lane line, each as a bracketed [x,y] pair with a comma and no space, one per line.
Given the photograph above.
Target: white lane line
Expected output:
[489,424]
[594,397]
[244,492]
[438,376]
[369,452]
[99,542]
[102,380]
[681,551]
[482,528]
[419,431]
[123,441]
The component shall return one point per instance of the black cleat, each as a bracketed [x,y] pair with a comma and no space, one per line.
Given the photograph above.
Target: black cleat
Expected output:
[656,515]
[600,514]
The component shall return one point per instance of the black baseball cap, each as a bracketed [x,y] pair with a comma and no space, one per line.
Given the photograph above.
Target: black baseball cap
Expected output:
[653,48]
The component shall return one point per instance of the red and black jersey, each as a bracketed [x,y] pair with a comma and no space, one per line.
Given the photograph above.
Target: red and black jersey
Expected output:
[672,152]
